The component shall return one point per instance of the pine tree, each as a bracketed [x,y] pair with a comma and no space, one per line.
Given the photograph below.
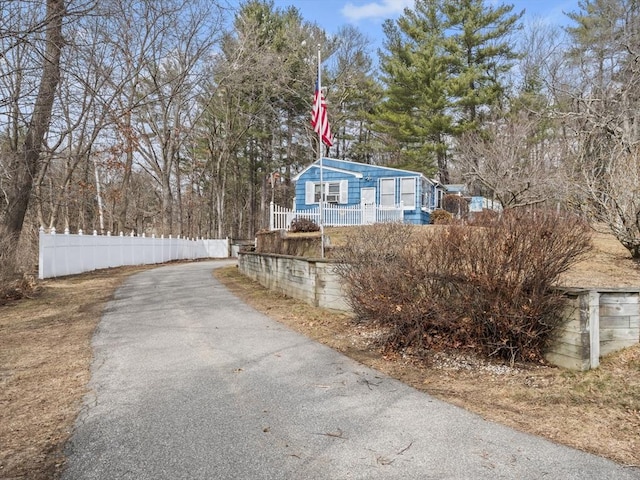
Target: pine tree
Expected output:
[413,116]
[479,54]
[443,65]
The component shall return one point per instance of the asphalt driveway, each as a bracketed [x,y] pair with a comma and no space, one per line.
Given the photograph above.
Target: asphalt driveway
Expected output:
[188,382]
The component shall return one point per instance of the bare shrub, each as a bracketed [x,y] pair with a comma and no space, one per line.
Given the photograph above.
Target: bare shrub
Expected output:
[377,270]
[456,205]
[496,281]
[7,255]
[17,265]
[302,224]
[8,269]
[484,217]
[441,217]
[487,288]
[27,252]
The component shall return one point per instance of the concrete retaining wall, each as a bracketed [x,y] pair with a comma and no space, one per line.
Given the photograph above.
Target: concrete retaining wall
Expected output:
[310,280]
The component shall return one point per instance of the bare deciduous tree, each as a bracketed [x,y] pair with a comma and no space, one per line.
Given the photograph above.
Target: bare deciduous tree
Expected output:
[505,161]
[612,194]
[602,116]
[23,164]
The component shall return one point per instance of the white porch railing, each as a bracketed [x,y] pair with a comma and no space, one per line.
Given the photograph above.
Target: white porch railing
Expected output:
[280,218]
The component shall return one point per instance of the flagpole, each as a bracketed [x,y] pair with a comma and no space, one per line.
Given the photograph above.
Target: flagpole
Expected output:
[320,163]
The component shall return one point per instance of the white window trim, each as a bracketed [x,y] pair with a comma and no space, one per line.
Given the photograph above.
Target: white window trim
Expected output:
[407,181]
[382,182]
[398,183]
[342,195]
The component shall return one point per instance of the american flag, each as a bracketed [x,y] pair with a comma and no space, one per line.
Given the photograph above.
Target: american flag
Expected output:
[320,119]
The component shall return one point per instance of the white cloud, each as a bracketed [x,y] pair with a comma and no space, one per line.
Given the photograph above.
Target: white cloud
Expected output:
[380,9]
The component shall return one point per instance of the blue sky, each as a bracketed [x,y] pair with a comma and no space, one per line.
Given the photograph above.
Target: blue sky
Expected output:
[368,15]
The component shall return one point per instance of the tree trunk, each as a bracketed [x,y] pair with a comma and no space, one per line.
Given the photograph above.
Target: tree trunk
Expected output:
[126,174]
[443,166]
[29,155]
[167,207]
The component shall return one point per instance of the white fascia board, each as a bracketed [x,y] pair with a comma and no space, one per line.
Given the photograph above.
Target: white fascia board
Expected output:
[331,169]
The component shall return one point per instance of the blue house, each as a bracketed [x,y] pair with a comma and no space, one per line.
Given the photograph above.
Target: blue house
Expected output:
[352,184]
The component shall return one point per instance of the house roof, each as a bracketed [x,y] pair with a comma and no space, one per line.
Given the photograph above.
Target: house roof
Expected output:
[459,188]
[346,170]
[331,169]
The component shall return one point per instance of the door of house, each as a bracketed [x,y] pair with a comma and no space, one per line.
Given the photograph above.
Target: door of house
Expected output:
[368,198]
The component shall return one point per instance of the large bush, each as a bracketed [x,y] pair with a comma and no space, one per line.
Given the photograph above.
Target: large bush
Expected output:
[486,287]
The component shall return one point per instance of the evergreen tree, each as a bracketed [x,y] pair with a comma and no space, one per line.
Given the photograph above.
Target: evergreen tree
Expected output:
[444,65]
[479,54]
[413,117]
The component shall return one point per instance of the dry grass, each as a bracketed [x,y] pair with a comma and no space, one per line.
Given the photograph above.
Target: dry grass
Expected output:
[45,353]
[609,265]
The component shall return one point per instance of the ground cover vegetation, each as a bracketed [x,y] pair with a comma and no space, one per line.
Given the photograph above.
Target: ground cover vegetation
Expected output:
[301,224]
[488,287]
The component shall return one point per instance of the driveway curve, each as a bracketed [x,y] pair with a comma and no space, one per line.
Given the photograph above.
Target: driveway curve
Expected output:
[188,382]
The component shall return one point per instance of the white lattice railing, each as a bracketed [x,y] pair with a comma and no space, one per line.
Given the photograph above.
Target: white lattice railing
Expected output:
[280,218]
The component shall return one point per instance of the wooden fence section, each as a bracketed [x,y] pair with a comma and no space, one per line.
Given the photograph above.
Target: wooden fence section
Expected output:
[280,218]
[599,322]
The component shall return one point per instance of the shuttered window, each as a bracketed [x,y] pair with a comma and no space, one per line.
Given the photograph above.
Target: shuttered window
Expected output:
[335,192]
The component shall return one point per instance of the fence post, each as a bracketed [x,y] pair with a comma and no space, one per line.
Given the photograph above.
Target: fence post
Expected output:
[271,216]
[41,240]
[594,329]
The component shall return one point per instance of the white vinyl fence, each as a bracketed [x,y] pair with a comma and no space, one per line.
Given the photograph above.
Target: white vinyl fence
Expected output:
[280,218]
[67,254]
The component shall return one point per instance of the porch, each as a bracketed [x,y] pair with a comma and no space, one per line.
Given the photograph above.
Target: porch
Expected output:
[280,218]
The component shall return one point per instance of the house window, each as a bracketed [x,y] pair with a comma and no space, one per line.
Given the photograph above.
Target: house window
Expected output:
[408,193]
[332,193]
[388,192]
[335,192]
[427,192]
